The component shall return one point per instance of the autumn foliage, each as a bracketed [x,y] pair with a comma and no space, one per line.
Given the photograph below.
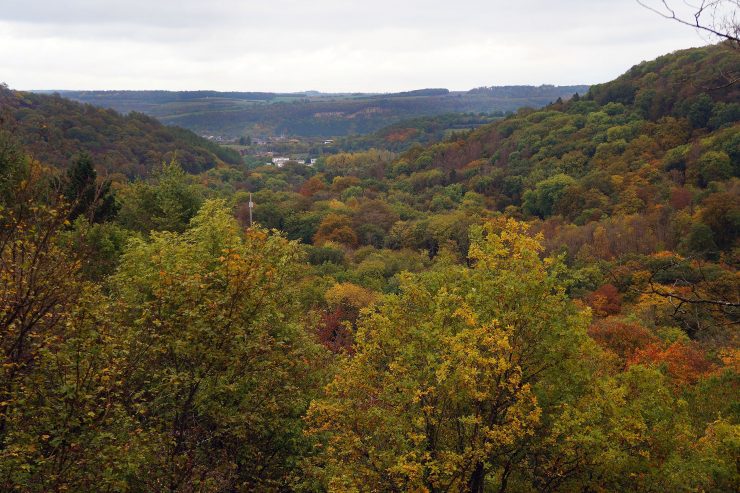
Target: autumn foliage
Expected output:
[684,361]
[548,302]
[605,301]
[622,338]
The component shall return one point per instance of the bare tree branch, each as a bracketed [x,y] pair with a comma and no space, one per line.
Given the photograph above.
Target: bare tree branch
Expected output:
[718,18]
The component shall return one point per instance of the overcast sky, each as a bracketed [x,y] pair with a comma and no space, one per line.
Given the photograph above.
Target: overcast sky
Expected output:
[326,45]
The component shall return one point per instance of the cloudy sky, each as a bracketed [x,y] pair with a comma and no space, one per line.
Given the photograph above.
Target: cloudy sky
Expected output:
[326,45]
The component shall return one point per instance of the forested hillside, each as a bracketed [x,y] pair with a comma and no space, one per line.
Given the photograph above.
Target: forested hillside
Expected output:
[548,302]
[55,130]
[313,114]
[422,130]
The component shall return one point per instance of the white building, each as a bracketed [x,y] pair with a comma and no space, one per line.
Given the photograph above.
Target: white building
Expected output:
[280,161]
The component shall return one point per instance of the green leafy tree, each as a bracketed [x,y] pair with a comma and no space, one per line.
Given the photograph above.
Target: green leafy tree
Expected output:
[542,200]
[165,203]
[700,241]
[714,166]
[212,317]
[38,278]
[70,429]
[625,433]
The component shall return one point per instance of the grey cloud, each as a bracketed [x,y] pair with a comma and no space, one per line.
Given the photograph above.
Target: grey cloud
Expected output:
[332,44]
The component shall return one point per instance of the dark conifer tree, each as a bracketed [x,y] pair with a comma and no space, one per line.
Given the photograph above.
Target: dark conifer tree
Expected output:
[87,196]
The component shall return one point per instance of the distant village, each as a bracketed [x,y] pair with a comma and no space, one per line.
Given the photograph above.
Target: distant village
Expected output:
[281,161]
[277,150]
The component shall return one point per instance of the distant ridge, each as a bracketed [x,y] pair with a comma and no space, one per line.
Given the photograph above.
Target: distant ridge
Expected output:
[312,113]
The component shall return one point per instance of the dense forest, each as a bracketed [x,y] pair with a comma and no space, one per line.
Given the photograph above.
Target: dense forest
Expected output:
[548,302]
[54,130]
[313,114]
[422,130]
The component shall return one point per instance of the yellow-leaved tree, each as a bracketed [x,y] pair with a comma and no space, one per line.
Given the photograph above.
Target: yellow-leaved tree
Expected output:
[452,375]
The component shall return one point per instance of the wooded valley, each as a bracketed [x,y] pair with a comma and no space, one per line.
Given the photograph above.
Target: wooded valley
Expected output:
[548,302]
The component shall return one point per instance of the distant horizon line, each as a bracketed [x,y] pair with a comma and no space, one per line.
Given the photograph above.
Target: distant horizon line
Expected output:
[308,91]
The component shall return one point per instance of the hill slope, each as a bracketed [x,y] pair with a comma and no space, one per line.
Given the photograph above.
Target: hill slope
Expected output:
[235,114]
[666,127]
[647,127]
[55,129]
[612,182]
[425,346]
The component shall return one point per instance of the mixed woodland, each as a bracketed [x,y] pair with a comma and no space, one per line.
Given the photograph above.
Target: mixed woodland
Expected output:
[547,302]
[314,114]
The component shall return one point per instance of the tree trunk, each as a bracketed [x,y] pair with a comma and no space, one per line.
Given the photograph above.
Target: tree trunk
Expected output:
[477,479]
